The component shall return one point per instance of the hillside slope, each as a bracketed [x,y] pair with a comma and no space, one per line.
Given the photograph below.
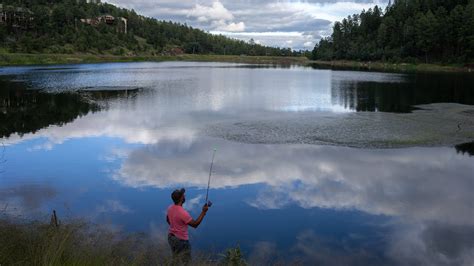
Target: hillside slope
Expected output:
[70,26]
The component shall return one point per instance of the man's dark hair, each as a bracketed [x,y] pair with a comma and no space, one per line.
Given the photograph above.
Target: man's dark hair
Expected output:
[177,194]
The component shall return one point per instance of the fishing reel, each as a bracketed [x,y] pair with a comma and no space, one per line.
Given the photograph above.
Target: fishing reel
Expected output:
[209,203]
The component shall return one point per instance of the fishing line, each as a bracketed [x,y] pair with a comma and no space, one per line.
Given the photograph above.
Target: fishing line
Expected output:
[209,180]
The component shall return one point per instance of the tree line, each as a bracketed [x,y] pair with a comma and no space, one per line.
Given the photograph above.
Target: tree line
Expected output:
[55,27]
[408,30]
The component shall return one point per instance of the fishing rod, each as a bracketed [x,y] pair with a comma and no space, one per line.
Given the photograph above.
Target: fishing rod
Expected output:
[208,202]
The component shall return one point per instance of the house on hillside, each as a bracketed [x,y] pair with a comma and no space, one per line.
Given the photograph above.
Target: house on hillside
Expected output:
[172,50]
[15,17]
[120,23]
[90,21]
[89,1]
[108,19]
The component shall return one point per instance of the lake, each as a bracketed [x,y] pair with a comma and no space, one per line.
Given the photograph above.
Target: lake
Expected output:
[312,166]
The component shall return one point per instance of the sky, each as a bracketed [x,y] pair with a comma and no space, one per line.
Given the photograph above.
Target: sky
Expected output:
[290,23]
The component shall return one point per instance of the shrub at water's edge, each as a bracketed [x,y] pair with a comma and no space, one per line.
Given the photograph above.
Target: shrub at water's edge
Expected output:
[80,243]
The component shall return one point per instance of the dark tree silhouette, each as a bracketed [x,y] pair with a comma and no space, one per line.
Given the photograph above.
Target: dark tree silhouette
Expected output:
[408,30]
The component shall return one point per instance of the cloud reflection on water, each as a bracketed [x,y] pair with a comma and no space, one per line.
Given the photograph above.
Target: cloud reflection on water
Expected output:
[426,191]
[422,183]
[25,199]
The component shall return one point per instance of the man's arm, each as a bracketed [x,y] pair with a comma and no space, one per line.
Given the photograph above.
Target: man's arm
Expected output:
[197,222]
[167,219]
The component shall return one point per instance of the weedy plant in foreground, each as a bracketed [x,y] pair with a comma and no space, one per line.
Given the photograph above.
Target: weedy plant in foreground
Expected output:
[80,243]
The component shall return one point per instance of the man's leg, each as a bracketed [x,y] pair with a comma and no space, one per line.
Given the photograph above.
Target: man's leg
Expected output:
[186,252]
[174,245]
[172,241]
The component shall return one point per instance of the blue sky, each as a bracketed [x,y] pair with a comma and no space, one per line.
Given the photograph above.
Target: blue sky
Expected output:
[294,24]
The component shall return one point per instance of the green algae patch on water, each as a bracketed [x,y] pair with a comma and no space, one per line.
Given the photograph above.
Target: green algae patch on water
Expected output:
[439,124]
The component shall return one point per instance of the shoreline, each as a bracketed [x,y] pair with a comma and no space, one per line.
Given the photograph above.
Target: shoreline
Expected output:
[393,67]
[22,59]
[18,59]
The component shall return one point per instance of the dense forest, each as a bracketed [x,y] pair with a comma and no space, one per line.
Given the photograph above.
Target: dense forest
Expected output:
[59,26]
[408,30]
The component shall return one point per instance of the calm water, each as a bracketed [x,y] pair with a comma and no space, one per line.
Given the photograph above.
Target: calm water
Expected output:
[109,142]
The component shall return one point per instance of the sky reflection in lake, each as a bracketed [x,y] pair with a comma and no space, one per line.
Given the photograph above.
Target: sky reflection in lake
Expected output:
[119,156]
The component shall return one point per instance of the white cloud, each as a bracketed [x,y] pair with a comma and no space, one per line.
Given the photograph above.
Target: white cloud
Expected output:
[112,206]
[25,200]
[256,16]
[194,203]
[234,27]
[292,39]
[216,11]
[327,11]
[130,132]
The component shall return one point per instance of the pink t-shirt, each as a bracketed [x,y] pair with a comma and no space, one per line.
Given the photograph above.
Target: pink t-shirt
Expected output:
[179,219]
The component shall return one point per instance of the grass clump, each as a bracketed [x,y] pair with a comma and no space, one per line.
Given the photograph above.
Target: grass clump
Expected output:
[80,243]
[75,243]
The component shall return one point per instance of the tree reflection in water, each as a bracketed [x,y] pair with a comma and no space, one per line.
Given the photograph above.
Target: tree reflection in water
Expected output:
[466,148]
[24,110]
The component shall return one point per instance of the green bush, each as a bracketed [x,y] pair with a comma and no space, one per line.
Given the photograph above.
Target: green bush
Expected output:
[234,257]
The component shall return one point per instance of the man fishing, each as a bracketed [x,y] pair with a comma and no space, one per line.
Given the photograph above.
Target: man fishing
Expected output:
[179,219]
